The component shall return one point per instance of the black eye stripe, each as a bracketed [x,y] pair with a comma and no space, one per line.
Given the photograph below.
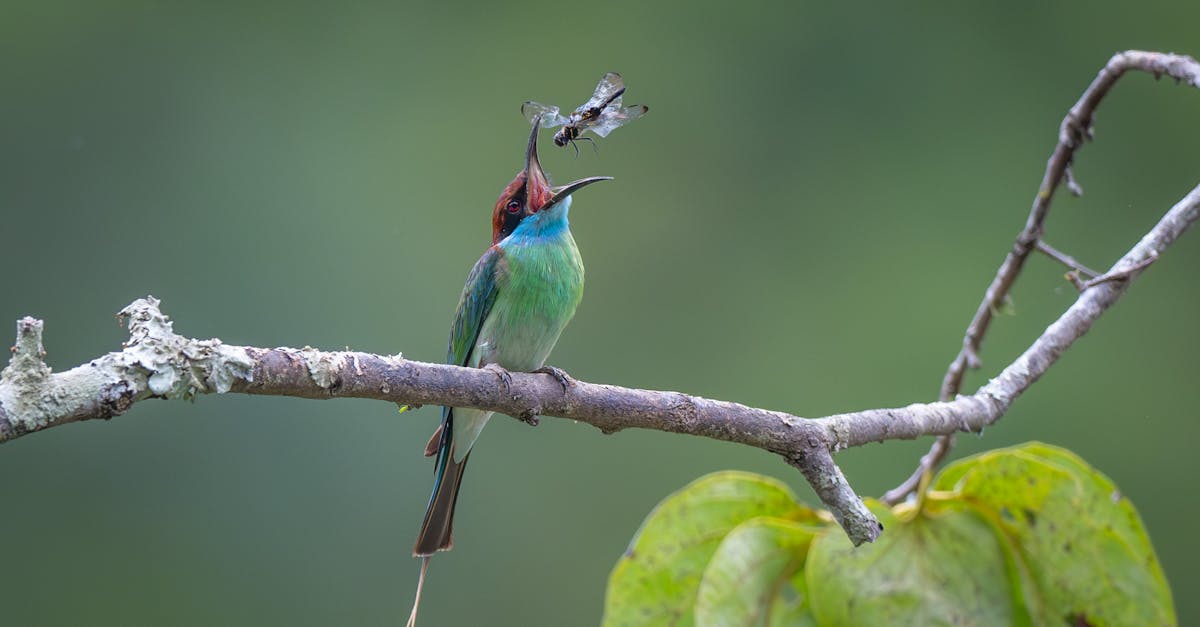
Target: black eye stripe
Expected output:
[513,215]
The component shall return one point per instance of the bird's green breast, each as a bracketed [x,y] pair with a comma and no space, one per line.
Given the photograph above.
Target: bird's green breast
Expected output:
[539,283]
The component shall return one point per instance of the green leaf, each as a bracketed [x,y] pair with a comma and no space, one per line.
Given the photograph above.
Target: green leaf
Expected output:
[656,581]
[1083,552]
[793,611]
[744,583]
[944,568]
[1029,535]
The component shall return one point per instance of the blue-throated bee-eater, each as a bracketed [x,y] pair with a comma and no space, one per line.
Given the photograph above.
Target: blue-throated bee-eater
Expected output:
[517,301]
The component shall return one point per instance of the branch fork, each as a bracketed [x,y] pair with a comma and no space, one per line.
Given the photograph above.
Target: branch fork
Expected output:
[1076,128]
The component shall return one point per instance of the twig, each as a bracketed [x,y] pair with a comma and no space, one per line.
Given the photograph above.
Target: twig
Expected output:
[1074,130]
[1070,262]
[1122,275]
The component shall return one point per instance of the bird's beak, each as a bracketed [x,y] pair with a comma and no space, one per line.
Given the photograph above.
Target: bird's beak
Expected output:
[536,180]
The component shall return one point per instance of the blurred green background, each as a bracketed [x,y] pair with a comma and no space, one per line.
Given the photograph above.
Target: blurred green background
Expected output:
[804,221]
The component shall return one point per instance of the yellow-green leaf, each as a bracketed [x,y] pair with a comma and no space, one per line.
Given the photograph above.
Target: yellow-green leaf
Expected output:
[1030,535]
[946,568]
[744,583]
[656,581]
[1086,556]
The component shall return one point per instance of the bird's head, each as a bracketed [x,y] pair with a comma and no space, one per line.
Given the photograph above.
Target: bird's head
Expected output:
[530,193]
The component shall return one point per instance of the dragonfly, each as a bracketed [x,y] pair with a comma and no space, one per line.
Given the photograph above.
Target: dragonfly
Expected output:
[601,114]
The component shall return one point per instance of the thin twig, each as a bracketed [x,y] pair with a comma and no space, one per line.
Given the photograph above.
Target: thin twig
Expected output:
[1070,262]
[1073,185]
[1074,130]
[1122,275]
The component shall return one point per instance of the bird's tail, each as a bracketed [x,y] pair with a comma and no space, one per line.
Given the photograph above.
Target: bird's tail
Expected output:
[412,616]
[437,533]
[437,529]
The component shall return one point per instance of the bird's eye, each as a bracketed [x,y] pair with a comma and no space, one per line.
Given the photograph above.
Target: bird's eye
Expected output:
[514,206]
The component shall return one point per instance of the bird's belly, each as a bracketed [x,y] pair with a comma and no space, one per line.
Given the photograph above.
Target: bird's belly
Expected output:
[532,308]
[520,338]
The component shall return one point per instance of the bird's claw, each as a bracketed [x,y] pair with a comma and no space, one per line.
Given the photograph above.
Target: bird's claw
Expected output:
[559,375]
[503,375]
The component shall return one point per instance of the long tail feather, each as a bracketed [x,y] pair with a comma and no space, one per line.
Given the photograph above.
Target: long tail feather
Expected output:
[412,616]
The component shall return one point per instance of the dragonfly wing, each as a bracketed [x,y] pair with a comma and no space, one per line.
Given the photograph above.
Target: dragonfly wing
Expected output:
[608,90]
[616,118]
[550,116]
[609,84]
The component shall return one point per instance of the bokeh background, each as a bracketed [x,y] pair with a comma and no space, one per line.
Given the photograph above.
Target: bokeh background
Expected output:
[805,221]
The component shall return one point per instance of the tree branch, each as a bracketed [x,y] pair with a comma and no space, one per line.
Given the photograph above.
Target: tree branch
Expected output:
[1074,130]
[159,363]
[156,362]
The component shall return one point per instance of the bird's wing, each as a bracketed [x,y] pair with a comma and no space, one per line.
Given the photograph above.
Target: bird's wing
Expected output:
[476,301]
[473,306]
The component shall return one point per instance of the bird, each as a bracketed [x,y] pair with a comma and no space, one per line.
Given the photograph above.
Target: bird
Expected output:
[518,298]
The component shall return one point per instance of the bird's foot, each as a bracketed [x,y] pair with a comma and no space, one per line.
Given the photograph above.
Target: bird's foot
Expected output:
[502,374]
[559,375]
